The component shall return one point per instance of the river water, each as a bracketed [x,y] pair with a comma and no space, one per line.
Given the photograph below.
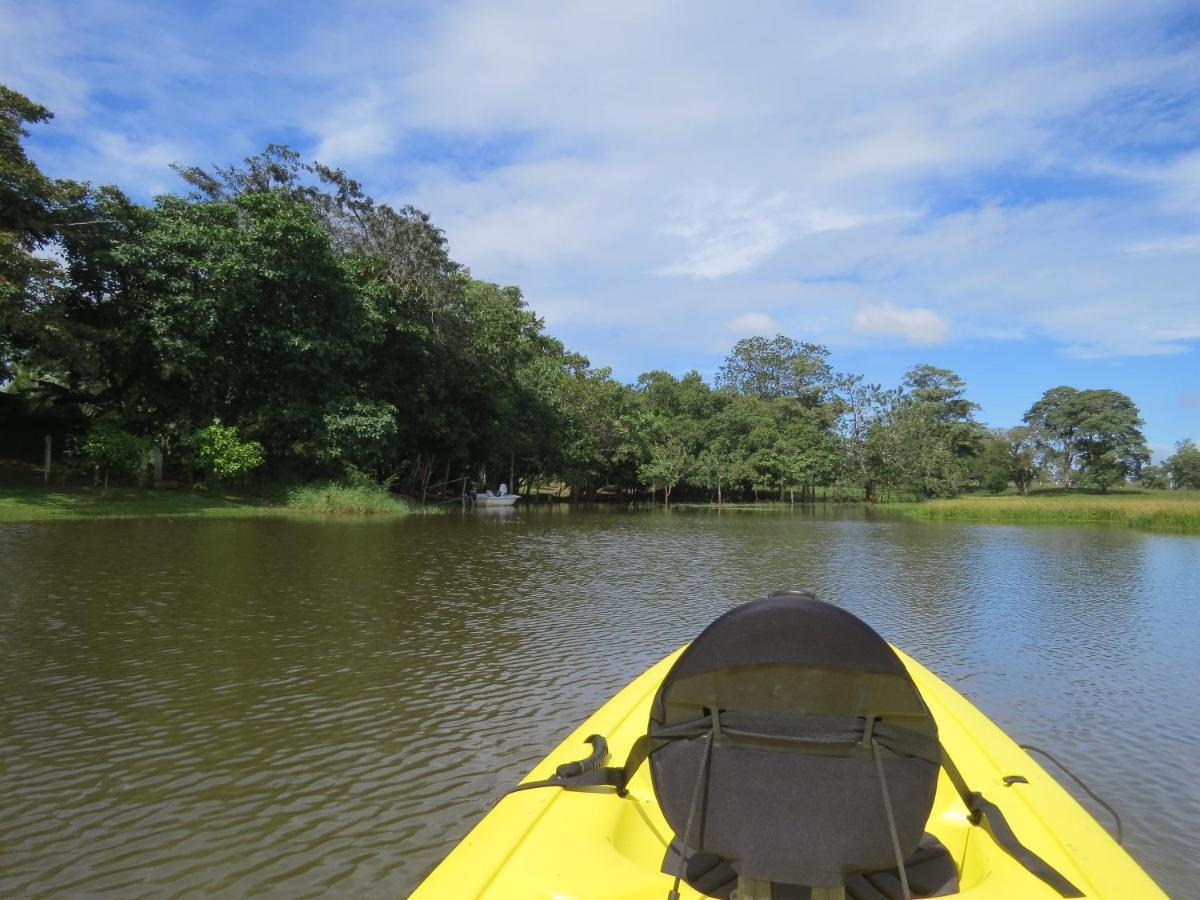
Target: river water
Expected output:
[310,708]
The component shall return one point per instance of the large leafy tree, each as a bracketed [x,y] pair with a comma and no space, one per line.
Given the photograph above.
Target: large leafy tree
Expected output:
[238,310]
[777,367]
[933,434]
[1054,420]
[28,207]
[1093,434]
[1111,445]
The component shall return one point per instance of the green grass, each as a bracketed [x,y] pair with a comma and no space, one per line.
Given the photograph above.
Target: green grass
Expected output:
[339,499]
[1177,511]
[35,503]
[27,504]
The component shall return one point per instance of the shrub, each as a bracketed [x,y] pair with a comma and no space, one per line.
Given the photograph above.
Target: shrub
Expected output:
[114,450]
[221,453]
[343,498]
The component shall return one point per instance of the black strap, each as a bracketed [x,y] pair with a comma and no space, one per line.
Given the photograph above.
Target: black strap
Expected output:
[591,772]
[984,811]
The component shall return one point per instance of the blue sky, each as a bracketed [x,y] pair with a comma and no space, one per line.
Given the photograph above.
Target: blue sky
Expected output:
[1010,190]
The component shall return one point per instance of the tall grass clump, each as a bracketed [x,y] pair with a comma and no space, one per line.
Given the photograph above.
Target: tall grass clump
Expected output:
[1157,511]
[345,499]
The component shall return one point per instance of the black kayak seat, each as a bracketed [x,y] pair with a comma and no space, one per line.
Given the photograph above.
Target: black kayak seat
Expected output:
[791,752]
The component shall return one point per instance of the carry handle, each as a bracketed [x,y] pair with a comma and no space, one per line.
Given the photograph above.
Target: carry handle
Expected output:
[591,763]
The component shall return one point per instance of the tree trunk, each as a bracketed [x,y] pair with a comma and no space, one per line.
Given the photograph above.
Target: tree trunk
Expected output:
[46,460]
[667,496]
[718,490]
[426,472]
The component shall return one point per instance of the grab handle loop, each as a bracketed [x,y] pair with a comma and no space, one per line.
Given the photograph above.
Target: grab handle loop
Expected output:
[597,759]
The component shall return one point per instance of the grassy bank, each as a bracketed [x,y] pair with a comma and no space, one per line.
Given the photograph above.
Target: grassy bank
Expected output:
[28,504]
[1177,511]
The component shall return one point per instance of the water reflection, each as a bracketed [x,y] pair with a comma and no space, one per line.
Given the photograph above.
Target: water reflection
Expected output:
[311,708]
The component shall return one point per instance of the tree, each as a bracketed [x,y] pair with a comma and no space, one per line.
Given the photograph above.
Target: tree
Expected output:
[189,311]
[993,468]
[1154,478]
[864,412]
[1111,445]
[933,435]
[1183,466]
[715,462]
[669,464]
[1100,430]
[1006,455]
[598,440]
[28,202]
[223,455]
[1054,421]
[777,367]
[1022,455]
[112,450]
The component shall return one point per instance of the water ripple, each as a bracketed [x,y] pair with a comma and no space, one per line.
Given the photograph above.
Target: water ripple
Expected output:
[284,709]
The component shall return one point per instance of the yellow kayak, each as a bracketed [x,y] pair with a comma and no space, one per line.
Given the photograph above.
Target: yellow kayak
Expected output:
[597,842]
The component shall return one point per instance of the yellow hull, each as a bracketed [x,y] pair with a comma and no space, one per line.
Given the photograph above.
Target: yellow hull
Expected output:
[551,843]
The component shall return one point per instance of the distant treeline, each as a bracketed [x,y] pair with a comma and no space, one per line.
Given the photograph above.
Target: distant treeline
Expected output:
[278,323]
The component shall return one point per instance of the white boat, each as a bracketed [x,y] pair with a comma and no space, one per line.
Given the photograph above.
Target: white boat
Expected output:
[500,498]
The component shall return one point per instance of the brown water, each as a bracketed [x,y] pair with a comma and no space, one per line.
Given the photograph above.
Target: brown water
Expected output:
[300,708]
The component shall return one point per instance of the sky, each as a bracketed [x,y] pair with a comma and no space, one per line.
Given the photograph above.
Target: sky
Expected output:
[1010,190]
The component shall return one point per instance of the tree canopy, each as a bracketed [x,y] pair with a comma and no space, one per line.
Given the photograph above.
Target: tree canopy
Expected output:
[1093,435]
[275,321]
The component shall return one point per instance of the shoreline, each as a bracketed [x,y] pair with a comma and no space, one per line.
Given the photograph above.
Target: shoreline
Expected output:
[40,504]
[1176,512]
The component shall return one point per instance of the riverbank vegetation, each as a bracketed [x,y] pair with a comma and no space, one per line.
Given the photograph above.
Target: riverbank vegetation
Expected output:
[23,503]
[332,498]
[277,325]
[1157,510]
[35,503]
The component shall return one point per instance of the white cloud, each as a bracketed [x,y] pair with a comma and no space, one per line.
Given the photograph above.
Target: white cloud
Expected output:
[752,324]
[356,130]
[732,234]
[1026,170]
[1183,245]
[916,325]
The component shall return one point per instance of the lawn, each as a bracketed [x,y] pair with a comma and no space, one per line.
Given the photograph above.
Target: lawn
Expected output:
[23,503]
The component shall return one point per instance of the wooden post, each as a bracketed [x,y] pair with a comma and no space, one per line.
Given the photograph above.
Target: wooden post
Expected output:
[156,460]
[46,460]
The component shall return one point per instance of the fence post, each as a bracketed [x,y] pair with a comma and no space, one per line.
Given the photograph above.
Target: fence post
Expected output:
[156,461]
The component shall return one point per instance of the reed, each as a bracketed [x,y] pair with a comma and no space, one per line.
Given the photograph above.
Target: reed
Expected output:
[1177,511]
